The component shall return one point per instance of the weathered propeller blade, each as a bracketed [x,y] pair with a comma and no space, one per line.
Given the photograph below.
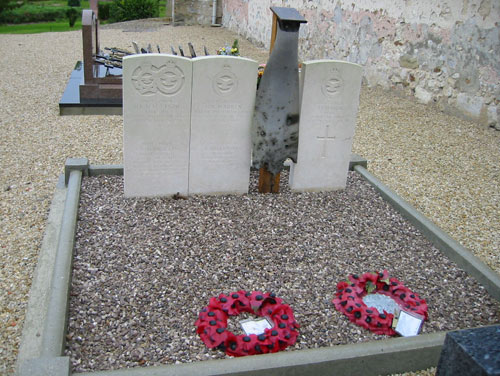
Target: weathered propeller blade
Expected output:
[181,51]
[173,50]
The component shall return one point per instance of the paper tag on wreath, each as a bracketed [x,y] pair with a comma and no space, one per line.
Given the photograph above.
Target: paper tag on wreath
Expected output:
[256,326]
[407,324]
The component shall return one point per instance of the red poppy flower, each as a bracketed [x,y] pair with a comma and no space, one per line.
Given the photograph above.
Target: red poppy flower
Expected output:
[212,323]
[349,300]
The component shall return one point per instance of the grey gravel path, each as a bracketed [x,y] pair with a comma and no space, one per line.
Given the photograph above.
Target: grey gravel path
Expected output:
[447,167]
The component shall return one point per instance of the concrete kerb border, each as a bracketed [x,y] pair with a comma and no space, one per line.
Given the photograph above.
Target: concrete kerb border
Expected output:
[43,353]
[452,249]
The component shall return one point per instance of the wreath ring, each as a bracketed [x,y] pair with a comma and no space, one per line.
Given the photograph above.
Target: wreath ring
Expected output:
[212,323]
[350,294]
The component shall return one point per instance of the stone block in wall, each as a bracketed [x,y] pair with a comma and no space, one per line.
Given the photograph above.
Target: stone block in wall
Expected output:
[422,95]
[194,12]
[470,105]
[407,61]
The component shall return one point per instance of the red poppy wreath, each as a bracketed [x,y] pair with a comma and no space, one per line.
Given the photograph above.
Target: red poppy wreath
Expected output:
[350,294]
[212,323]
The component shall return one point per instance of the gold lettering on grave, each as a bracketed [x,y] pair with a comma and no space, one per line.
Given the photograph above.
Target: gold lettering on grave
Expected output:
[149,79]
[225,82]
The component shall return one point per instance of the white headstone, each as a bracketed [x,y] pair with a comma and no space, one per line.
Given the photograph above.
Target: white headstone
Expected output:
[222,108]
[329,106]
[156,124]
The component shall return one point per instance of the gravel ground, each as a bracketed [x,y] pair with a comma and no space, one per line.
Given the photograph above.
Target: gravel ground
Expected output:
[144,268]
[446,167]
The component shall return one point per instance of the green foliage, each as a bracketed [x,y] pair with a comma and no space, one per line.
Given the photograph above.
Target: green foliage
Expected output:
[104,8]
[33,13]
[4,4]
[72,15]
[126,10]
[43,27]
[236,45]
[370,287]
[73,3]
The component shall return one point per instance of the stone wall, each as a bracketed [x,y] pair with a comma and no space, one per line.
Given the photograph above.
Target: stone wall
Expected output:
[445,52]
[194,12]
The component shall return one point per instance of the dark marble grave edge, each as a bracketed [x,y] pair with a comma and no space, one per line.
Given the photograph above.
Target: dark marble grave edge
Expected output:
[71,104]
[46,354]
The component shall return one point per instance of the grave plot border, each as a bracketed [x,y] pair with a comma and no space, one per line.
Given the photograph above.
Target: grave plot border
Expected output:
[42,344]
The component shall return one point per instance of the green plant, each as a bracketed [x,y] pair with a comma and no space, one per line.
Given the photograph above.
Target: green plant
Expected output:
[73,3]
[231,51]
[42,27]
[126,10]
[4,4]
[72,15]
[103,10]
[33,13]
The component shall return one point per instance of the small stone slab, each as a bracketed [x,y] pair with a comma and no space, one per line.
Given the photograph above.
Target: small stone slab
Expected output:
[222,108]
[56,366]
[81,164]
[329,106]
[156,124]
[474,352]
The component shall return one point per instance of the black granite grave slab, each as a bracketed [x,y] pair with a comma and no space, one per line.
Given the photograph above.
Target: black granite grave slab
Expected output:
[72,104]
[474,352]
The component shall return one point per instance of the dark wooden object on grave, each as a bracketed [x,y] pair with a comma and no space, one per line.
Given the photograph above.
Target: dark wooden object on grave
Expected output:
[97,84]
[276,118]
[191,50]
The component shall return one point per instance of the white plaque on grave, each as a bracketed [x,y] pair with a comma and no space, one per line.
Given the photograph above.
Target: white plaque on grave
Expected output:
[156,124]
[256,326]
[223,103]
[329,106]
[408,324]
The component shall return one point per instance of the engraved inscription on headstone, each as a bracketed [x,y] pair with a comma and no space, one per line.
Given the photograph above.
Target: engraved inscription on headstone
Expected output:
[167,79]
[329,105]
[225,81]
[222,108]
[156,124]
[333,84]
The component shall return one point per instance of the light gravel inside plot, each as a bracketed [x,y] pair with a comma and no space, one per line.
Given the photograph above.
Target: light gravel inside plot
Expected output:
[145,267]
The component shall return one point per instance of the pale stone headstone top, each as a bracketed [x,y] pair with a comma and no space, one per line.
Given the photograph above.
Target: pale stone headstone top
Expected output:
[329,106]
[223,101]
[156,124]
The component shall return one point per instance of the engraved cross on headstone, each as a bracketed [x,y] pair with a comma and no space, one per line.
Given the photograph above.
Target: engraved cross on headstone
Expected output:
[324,139]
